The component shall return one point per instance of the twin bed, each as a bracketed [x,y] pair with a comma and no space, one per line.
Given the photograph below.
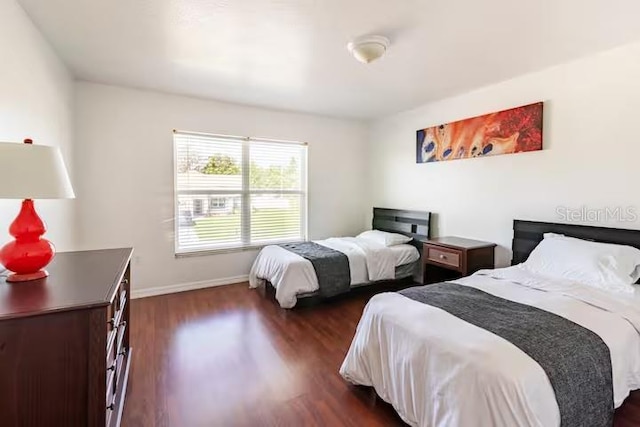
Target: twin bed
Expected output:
[310,271]
[553,340]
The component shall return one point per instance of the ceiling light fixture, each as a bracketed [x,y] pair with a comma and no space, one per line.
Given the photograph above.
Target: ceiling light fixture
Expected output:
[368,48]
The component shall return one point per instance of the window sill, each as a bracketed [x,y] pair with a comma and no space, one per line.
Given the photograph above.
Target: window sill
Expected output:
[229,250]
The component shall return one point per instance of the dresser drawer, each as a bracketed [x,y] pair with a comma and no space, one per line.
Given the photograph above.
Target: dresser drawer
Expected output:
[112,383]
[115,351]
[110,408]
[115,311]
[121,295]
[110,362]
[112,330]
[120,347]
[444,256]
[112,313]
[120,362]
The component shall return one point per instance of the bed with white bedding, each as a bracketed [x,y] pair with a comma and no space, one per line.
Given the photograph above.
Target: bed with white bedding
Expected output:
[437,369]
[390,252]
[293,276]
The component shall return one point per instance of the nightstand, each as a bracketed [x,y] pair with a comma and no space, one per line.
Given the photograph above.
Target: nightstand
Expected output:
[449,258]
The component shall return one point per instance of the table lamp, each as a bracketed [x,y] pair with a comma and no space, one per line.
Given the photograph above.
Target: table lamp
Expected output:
[30,172]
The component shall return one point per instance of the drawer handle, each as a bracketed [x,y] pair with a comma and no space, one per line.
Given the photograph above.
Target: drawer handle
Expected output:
[112,367]
[123,352]
[442,256]
[124,282]
[112,406]
[122,324]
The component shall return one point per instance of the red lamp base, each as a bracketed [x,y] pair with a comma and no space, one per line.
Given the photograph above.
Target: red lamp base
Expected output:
[29,253]
[15,277]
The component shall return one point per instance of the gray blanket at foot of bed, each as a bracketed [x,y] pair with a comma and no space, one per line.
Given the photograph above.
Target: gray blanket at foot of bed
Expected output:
[575,359]
[331,266]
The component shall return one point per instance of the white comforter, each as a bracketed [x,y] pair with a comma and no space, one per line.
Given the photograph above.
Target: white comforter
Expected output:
[292,275]
[438,370]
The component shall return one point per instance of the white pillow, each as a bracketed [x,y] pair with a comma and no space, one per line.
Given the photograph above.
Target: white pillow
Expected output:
[385,238]
[602,265]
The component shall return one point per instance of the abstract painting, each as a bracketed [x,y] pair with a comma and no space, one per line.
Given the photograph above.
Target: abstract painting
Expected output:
[505,132]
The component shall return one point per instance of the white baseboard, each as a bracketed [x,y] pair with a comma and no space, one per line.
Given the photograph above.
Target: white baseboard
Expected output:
[182,287]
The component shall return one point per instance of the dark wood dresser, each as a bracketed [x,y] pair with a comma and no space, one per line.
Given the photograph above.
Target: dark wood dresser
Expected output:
[64,342]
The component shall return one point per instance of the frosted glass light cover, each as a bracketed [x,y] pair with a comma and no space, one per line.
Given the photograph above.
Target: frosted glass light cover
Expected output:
[368,48]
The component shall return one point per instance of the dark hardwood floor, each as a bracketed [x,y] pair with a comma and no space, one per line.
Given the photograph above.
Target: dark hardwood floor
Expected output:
[227,356]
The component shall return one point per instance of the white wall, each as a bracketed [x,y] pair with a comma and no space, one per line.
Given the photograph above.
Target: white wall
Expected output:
[591,152]
[36,101]
[125,159]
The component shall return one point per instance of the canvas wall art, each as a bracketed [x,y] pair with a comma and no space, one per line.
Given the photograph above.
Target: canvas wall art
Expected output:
[505,132]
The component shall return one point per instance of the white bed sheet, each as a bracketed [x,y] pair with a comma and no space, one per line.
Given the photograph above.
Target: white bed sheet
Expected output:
[292,275]
[437,370]
[405,254]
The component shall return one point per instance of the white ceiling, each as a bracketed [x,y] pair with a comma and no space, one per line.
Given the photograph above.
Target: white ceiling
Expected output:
[291,54]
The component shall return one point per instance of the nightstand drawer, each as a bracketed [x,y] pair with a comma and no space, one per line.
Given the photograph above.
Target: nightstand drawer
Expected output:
[442,256]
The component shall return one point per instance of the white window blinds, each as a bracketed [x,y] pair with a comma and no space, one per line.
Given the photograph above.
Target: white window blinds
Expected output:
[233,192]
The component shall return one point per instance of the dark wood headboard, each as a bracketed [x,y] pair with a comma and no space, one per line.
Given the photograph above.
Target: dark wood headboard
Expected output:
[527,235]
[411,223]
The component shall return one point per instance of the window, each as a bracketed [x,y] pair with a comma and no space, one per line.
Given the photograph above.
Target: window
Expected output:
[217,202]
[197,207]
[233,192]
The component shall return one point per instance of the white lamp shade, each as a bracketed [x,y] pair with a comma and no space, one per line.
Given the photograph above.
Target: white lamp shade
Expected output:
[29,171]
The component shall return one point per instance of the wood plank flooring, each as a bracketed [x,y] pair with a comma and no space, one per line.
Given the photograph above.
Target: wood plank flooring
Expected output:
[227,356]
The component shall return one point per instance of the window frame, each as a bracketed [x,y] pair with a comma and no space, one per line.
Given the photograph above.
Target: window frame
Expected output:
[245,194]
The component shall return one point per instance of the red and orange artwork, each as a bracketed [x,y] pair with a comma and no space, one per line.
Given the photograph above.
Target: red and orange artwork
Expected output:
[505,132]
